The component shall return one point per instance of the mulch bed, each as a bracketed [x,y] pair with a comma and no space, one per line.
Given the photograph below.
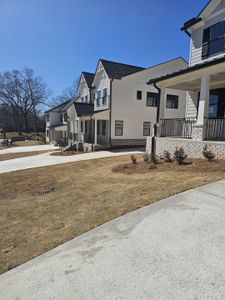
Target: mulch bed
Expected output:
[66,153]
[191,165]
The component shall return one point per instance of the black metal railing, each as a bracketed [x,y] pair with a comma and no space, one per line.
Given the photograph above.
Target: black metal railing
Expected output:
[181,128]
[214,129]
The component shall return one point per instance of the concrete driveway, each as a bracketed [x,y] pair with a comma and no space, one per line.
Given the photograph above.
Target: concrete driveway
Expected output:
[46,159]
[28,149]
[173,249]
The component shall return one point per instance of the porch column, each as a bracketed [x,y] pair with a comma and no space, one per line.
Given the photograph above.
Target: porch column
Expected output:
[203,107]
[95,134]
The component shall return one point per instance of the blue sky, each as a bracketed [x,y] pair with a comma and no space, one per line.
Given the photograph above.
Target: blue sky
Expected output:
[61,38]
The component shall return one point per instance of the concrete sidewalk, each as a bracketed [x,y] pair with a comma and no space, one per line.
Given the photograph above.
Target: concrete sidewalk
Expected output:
[46,159]
[28,149]
[171,250]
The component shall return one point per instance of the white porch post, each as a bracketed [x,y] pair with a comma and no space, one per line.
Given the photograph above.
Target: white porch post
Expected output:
[96,134]
[203,108]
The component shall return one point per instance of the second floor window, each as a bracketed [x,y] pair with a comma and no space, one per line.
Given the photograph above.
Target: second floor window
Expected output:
[82,99]
[152,99]
[139,95]
[104,97]
[213,40]
[98,97]
[86,99]
[47,117]
[118,128]
[172,101]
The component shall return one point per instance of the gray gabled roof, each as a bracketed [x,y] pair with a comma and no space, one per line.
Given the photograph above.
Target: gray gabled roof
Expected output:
[84,109]
[89,78]
[118,70]
[59,108]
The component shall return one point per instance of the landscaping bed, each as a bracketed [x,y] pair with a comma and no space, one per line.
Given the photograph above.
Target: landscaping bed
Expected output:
[66,153]
[190,165]
[45,207]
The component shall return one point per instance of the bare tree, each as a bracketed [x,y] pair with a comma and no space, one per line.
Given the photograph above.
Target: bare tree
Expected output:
[68,94]
[23,93]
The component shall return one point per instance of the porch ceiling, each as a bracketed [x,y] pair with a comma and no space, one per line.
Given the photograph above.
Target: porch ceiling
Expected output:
[191,81]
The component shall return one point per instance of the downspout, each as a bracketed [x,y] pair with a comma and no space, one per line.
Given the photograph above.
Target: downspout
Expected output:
[110,115]
[156,125]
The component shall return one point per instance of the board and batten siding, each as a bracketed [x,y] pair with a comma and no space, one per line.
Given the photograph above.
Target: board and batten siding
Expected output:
[197,37]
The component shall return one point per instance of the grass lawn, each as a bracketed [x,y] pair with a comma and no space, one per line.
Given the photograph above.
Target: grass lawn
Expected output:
[8,156]
[44,207]
[23,144]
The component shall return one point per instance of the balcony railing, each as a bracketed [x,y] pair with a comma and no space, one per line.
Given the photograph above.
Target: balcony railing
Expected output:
[180,128]
[214,129]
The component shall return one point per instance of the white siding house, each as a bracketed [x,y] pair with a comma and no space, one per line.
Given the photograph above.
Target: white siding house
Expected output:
[204,82]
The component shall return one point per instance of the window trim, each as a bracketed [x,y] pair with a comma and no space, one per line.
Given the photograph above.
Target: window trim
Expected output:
[149,128]
[139,95]
[206,44]
[120,128]
[172,106]
[156,99]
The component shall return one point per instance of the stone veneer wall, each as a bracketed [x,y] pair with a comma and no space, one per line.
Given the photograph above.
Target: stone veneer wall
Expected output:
[192,147]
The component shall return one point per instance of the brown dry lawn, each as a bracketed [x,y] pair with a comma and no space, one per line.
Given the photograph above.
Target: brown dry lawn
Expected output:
[44,207]
[23,144]
[8,156]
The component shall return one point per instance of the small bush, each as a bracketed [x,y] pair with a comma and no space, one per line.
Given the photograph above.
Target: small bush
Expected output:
[208,154]
[167,156]
[180,155]
[133,159]
[146,157]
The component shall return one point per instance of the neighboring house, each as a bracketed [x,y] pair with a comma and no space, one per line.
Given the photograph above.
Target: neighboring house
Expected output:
[204,81]
[116,107]
[56,124]
[124,108]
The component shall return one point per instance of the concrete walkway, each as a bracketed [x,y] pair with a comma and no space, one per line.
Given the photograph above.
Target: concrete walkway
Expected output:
[28,149]
[46,159]
[171,250]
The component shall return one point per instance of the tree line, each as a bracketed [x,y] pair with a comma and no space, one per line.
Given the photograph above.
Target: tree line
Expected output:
[23,99]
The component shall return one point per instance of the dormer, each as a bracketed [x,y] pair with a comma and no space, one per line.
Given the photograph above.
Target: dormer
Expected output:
[85,87]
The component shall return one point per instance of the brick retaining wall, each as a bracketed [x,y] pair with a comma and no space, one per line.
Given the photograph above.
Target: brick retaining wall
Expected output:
[192,147]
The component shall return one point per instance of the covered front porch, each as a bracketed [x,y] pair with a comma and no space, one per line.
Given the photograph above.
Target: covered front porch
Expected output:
[205,111]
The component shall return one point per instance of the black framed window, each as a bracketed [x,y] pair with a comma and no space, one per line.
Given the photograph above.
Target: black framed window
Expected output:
[213,39]
[86,99]
[152,99]
[103,127]
[47,133]
[82,99]
[172,101]
[104,95]
[118,128]
[47,117]
[139,95]
[98,97]
[81,126]
[146,128]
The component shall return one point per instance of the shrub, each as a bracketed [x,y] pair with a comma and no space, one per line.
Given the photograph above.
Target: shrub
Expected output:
[167,156]
[146,157]
[133,159]
[208,154]
[180,155]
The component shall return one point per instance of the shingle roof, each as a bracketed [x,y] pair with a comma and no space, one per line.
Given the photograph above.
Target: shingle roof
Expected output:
[84,109]
[89,78]
[59,108]
[118,70]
